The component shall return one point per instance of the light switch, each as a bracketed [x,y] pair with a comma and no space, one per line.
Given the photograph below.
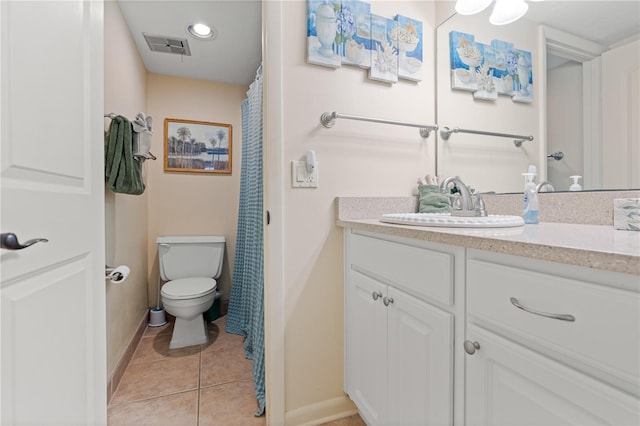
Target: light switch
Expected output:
[301,177]
[300,173]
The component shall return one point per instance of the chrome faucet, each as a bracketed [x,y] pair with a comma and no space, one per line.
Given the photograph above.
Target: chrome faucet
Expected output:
[550,187]
[466,206]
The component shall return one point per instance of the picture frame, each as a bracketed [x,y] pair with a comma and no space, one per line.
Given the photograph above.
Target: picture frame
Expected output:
[197,146]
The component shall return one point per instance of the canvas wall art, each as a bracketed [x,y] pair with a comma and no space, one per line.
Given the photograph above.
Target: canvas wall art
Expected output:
[384,57]
[322,32]
[354,23]
[489,70]
[409,44]
[197,146]
[347,33]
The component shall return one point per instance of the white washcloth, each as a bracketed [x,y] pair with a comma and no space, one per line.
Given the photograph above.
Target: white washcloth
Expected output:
[142,145]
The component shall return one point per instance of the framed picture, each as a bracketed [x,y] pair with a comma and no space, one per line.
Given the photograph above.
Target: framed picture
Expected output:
[197,146]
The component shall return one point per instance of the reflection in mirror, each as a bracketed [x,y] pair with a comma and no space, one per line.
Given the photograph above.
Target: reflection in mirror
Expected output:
[585,90]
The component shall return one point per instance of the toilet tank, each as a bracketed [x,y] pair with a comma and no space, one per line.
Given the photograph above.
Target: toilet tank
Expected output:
[190,256]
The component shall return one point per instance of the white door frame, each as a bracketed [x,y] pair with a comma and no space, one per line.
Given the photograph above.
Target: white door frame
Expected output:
[588,54]
[274,179]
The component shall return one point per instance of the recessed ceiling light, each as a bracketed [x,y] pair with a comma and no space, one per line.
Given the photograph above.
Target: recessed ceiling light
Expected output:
[201,31]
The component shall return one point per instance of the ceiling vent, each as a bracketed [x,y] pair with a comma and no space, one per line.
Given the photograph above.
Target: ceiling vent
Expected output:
[179,46]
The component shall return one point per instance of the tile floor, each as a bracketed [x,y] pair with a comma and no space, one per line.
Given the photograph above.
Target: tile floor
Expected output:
[205,385]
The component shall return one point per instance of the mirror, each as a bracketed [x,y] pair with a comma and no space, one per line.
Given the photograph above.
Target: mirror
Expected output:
[584,99]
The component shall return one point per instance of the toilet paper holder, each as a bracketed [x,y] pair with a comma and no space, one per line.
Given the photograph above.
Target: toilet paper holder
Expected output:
[114,275]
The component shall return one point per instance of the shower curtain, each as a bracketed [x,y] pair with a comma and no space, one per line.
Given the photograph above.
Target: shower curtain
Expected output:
[246,303]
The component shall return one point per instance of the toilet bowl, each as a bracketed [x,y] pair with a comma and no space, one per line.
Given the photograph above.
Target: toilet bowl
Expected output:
[189,265]
[186,299]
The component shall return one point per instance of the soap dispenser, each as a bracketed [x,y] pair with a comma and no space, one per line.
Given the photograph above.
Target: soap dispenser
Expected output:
[530,212]
[575,186]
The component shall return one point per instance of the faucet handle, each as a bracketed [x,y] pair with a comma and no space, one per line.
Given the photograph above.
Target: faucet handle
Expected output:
[479,206]
[456,201]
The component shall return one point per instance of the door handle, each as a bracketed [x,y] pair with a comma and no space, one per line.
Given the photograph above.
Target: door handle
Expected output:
[9,241]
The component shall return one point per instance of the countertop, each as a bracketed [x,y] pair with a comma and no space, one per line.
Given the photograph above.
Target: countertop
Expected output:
[592,246]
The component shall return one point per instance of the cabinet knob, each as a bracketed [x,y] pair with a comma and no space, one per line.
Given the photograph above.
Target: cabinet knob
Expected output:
[387,301]
[376,295]
[471,347]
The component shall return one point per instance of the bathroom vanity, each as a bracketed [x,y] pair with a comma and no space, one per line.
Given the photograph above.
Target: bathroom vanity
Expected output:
[529,325]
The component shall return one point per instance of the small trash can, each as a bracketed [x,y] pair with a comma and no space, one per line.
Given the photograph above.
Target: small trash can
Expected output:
[157,317]
[213,313]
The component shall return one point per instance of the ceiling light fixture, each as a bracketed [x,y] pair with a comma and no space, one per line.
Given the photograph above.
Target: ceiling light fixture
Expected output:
[508,11]
[471,7]
[504,11]
[201,31]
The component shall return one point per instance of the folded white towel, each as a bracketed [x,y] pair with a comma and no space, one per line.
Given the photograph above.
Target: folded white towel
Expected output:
[142,137]
[140,123]
[142,145]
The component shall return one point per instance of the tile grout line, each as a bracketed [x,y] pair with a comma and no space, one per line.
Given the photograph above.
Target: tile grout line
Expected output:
[151,398]
[199,387]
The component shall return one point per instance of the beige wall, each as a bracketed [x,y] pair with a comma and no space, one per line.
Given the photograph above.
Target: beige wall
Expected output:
[193,203]
[355,158]
[621,108]
[126,215]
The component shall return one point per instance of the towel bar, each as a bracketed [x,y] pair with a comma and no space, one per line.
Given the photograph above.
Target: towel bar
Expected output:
[112,115]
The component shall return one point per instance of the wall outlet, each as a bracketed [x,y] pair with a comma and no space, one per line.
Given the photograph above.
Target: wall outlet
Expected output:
[301,177]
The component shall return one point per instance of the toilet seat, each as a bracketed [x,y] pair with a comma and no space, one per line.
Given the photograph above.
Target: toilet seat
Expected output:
[188,288]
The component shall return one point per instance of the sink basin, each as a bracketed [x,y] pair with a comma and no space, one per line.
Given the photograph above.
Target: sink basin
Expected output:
[446,220]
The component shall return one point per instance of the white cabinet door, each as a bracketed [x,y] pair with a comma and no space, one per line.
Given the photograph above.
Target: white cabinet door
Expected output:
[420,362]
[507,384]
[53,350]
[367,347]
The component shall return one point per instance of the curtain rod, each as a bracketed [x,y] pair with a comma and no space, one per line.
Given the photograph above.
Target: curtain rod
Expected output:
[445,133]
[328,120]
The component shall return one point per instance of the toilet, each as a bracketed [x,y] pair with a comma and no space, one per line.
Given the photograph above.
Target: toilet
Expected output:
[190,266]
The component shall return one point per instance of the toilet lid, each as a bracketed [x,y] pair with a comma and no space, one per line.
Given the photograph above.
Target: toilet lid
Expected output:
[188,288]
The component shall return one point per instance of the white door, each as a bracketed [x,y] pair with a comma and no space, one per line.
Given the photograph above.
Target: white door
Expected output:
[508,384]
[420,377]
[367,347]
[52,311]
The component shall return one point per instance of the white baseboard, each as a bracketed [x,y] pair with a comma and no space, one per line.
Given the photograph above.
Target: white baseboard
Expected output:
[114,377]
[321,412]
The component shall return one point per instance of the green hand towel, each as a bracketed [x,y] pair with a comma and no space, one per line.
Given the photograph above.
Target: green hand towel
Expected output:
[432,200]
[123,172]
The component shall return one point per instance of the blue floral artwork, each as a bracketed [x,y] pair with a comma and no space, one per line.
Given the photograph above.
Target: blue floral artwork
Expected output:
[384,57]
[354,26]
[322,33]
[409,45]
[523,84]
[490,70]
